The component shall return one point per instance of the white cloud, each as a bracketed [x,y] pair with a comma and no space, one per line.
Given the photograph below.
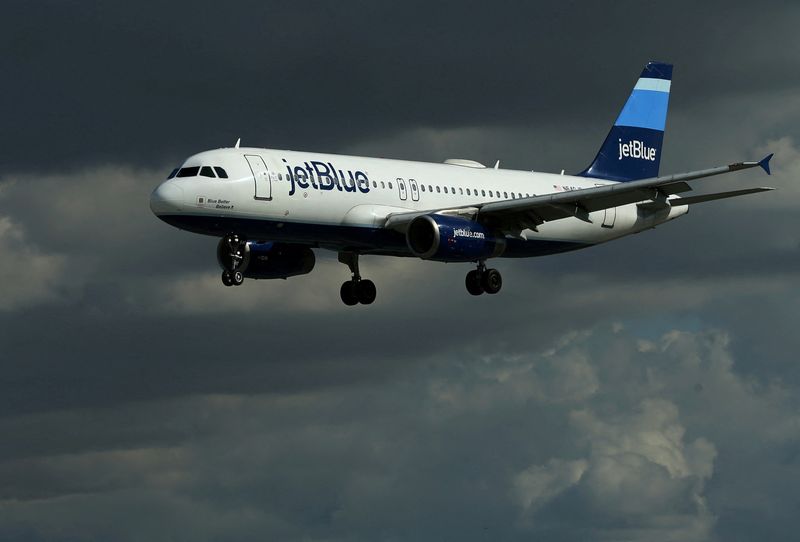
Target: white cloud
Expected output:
[30,276]
[653,433]
[539,483]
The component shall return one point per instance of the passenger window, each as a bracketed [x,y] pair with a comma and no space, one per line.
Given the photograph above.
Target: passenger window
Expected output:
[445,190]
[438,190]
[461,191]
[220,172]
[383,184]
[188,171]
[390,184]
[206,171]
[505,195]
[468,192]
[520,196]
[174,172]
[422,186]
[513,195]
[374,184]
[430,188]
[483,193]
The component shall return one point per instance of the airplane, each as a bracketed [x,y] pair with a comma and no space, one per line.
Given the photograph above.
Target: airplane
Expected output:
[270,208]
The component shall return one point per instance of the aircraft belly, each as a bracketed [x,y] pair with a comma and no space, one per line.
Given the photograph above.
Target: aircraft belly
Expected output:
[363,239]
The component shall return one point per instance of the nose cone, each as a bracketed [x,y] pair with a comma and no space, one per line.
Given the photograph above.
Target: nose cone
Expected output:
[167,198]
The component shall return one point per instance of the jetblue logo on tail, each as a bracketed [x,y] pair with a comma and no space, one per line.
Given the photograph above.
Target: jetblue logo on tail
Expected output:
[636,149]
[638,132]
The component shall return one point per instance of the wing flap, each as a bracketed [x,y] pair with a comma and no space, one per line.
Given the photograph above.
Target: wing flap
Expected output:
[691,200]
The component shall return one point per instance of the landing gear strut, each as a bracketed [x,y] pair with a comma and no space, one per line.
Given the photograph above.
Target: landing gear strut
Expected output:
[230,253]
[356,290]
[482,280]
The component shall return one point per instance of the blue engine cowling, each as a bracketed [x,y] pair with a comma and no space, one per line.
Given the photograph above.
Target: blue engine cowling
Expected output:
[275,260]
[452,239]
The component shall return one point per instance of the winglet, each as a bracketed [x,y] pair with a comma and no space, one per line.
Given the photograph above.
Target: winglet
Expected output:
[764,163]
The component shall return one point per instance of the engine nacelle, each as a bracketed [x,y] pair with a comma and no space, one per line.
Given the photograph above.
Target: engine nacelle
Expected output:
[271,260]
[452,239]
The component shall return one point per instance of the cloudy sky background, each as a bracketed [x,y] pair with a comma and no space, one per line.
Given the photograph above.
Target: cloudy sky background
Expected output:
[642,390]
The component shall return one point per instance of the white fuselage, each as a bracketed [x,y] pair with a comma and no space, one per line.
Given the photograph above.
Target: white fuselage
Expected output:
[333,201]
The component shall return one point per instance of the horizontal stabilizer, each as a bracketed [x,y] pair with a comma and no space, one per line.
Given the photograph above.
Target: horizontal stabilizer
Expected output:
[719,195]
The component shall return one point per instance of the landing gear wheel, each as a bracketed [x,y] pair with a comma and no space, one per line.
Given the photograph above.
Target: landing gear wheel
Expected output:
[356,290]
[366,291]
[349,293]
[237,278]
[492,281]
[227,280]
[473,282]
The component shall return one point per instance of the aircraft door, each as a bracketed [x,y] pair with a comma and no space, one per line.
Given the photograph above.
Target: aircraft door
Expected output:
[401,186]
[414,189]
[263,183]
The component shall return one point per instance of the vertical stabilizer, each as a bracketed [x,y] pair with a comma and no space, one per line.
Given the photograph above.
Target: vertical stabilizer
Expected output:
[632,149]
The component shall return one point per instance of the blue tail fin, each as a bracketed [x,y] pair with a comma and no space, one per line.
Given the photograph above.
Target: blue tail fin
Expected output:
[632,149]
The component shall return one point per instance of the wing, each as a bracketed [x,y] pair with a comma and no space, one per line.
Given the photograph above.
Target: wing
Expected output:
[519,214]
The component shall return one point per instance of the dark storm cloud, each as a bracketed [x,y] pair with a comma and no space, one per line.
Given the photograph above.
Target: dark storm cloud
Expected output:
[645,389]
[153,82]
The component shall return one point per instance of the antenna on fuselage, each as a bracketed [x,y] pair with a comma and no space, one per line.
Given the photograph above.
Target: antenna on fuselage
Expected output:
[237,143]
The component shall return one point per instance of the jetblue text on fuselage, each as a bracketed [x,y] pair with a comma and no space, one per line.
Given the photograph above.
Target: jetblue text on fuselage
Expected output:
[324,176]
[636,149]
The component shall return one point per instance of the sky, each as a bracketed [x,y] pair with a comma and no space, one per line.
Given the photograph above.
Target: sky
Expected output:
[645,389]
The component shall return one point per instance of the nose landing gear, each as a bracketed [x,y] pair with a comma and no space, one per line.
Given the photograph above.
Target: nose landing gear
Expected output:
[235,278]
[231,254]
[482,280]
[356,290]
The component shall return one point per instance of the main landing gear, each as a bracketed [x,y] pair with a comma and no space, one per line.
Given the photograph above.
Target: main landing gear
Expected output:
[482,280]
[356,290]
[230,253]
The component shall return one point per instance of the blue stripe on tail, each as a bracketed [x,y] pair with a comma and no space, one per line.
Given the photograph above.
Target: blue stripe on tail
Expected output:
[632,149]
[645,109]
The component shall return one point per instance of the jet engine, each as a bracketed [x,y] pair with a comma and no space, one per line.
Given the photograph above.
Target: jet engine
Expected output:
[452,239]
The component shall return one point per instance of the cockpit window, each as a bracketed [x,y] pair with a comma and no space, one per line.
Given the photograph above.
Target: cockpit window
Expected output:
[206,171]
[174,171]
[220,172]
[189,171]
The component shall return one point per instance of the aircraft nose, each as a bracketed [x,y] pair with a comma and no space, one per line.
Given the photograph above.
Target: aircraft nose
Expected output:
[166,198]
